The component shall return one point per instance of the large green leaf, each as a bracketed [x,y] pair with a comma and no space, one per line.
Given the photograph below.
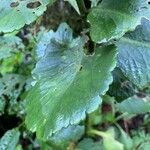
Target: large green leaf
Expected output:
[134,54]
[9,140]
[112,18]
[68,82]
[15,14]
[134,105]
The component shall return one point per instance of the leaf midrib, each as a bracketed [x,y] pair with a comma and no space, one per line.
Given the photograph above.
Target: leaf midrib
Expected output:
[135,42]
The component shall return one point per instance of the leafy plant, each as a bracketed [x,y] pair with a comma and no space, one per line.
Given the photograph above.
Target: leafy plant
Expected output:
[74,74]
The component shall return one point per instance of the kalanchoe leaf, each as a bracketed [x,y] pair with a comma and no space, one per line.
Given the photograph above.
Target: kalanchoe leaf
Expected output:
[113,18]
[134,54]
[68,82]
[14,15]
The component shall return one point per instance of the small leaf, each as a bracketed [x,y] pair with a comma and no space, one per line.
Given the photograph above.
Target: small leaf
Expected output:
[125,139]
[14,15]
[134,105]
[11,86]
[74,5]
[2,104]
[141,140]
[110,143]
[69,82]
[94,2]
[9,140]
[134,54]
[112,18]
[9,45]
[89,144]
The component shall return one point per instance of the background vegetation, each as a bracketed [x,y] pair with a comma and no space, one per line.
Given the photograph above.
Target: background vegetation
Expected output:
[120,120]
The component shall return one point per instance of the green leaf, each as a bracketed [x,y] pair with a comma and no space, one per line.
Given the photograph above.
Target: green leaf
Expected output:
[89,144]
[94,2]
[112,18]
[61,139]
[109,141]
[2,104]
[9,140]
[15,14]
[9,45]
[121,88]
[125,139]
[68,82]
[134,105]
[9,64]
[141,140]
[11,86]
[134,54]
[70,134]
[74,5]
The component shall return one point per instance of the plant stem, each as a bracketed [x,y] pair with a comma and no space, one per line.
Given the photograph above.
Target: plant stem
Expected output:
[96,132]
[81,6]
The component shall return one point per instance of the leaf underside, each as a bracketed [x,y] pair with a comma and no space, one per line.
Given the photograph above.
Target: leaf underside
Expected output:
[134,54]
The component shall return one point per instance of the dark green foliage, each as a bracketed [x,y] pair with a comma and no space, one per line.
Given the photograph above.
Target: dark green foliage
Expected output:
[74,75]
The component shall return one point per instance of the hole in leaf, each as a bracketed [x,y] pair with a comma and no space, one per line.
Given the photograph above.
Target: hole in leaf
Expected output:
[17,86]
[33,5]
[8,122]
[81,68]
[14,4]
[87,4]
